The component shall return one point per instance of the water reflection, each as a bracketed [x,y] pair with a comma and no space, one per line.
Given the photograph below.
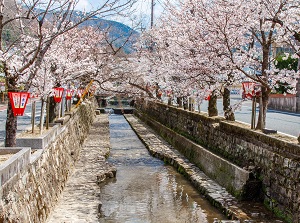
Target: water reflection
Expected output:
[145,189]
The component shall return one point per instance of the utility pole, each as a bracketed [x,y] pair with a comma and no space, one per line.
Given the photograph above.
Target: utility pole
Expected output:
[152,13]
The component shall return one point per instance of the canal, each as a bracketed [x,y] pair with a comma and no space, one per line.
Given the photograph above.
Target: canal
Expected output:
[146,189]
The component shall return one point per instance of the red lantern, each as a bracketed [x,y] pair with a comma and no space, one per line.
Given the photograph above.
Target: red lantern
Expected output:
[248,89]
[68,94]
[58,92]
[80,92]
[18,101]
[207,98]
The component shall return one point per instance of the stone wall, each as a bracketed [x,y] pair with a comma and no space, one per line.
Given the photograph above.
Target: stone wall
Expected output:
[283,102]
[29,195]
[235,179]
[274,159]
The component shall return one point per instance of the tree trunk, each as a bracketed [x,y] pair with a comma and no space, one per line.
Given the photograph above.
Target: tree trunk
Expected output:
[170,100]
[42,117]
[11,127]
[185,102]
[212,105]
[265,91]
[261,122]
[228,113]
[179,102]
[52,109]
[11,120]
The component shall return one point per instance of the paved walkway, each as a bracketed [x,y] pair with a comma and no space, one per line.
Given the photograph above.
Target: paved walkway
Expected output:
[80,202]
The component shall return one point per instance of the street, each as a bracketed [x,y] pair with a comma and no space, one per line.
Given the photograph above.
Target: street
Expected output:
[283,122]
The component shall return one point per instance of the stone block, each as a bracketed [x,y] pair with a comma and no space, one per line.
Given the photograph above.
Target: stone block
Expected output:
[63,120]
[269,131]
[38,141]
[15,164]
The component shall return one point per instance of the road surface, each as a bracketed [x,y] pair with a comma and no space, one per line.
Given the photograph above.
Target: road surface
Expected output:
[284,122]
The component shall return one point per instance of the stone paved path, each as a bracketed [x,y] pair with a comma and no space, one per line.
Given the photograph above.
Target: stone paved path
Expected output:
[80,202]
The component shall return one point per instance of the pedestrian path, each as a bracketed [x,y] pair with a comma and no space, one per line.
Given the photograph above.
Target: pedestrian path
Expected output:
[79,202]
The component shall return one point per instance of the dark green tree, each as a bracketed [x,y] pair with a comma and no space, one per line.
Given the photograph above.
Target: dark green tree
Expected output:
[289,64]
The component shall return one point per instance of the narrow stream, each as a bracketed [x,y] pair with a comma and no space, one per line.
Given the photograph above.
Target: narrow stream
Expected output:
[145,189]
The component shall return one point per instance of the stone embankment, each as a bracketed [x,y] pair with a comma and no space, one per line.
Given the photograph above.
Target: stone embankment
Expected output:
[215,193]
[273,159]
[80,199]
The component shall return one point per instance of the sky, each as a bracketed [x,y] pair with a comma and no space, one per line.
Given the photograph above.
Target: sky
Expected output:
[141,17]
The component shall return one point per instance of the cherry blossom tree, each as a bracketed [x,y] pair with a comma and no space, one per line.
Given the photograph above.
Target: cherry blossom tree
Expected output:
[217,43]
[24,47]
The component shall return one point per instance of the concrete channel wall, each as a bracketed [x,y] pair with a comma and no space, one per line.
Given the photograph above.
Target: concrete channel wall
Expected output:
[227,174]
[39,141]
[273,160]
[31,192]
[15,164]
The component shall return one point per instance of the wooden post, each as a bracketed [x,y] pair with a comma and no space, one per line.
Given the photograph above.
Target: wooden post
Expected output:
[47,112]
[261,112]
[42,116]
[33,116]
[59,110]
[62,104]
[253,116]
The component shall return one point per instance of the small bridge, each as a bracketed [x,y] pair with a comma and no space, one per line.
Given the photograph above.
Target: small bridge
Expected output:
[115,104]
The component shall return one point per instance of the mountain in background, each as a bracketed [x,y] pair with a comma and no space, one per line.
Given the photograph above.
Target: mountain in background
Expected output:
[119,33]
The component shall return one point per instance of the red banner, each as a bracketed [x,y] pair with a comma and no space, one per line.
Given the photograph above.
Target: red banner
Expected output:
[248,89]
[58,93]
[18,101]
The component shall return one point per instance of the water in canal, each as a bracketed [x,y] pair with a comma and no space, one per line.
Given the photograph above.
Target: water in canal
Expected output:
[145,189]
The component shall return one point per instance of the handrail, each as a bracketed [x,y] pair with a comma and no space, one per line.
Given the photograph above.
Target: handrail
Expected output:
[84,93]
